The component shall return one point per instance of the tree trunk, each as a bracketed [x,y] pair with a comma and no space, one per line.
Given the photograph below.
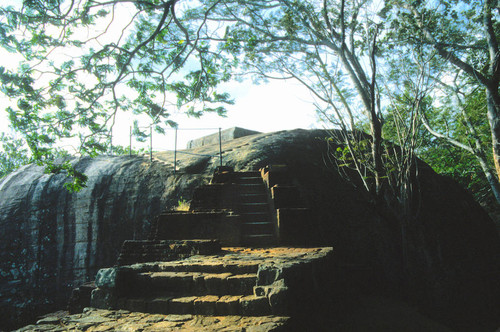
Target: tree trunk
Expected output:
[490,176]
[376,132]
[493,102]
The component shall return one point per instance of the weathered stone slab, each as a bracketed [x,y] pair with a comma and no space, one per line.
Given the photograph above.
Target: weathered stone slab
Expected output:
[172,281]
[178,318]
[94,320]
[182,305]
[49,320]
[242,267]
[165,326]
[216,283]
[228,305]
[241,284]
[167,248]
[136,305]
[252,305]
[102,298]
[268,274]
[205,305]
[199,286]
[279,300]
[158,305]
[106,278]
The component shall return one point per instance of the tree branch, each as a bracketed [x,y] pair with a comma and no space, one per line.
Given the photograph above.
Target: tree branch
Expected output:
[444,53]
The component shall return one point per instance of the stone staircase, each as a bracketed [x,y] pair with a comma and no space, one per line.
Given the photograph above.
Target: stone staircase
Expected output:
[197,289]
[236,208]
[183,270]
[247,208]
[255,210]
[229,282]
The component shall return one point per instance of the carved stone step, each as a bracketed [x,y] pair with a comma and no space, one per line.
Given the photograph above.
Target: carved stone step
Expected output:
[193,283]
[251,198]
[249,217]
[265,227]
[249,174]
[249,179]
[250,188]
[209,267]
[253,207]
[212,305]
[258,240]
[137,251]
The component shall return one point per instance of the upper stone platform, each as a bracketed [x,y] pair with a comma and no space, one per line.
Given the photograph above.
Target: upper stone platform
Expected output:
[226,135]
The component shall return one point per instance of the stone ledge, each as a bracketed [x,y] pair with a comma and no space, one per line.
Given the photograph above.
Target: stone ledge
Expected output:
[141,251]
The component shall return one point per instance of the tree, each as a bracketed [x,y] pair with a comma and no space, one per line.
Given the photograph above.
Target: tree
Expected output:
[87,61]
[13,154]
[468,130]
[162,37]
[329,46]
[465,36]
[334,48]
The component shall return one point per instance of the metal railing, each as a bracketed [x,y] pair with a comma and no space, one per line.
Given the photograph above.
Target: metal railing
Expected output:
[176,150]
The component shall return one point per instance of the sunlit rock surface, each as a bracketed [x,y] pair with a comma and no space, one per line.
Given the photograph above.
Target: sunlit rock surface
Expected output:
[52,240]
[121,320]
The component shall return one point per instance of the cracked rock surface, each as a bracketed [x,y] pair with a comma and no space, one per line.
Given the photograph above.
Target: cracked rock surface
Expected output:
[93,320]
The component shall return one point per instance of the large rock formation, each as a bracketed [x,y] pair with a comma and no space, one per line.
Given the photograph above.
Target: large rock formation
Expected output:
[52,240]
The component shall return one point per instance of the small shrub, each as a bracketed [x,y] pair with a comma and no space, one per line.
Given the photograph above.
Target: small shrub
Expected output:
[182,205]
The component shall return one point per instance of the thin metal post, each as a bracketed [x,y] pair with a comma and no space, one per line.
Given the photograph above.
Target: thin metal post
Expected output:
[130,143]
[175,152]
[111,141]
[151,143]
[220,146]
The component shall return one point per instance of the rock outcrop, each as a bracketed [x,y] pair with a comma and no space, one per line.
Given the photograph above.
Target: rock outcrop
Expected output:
[52,240]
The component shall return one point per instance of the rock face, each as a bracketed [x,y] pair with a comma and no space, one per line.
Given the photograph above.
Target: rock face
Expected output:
[52,240]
